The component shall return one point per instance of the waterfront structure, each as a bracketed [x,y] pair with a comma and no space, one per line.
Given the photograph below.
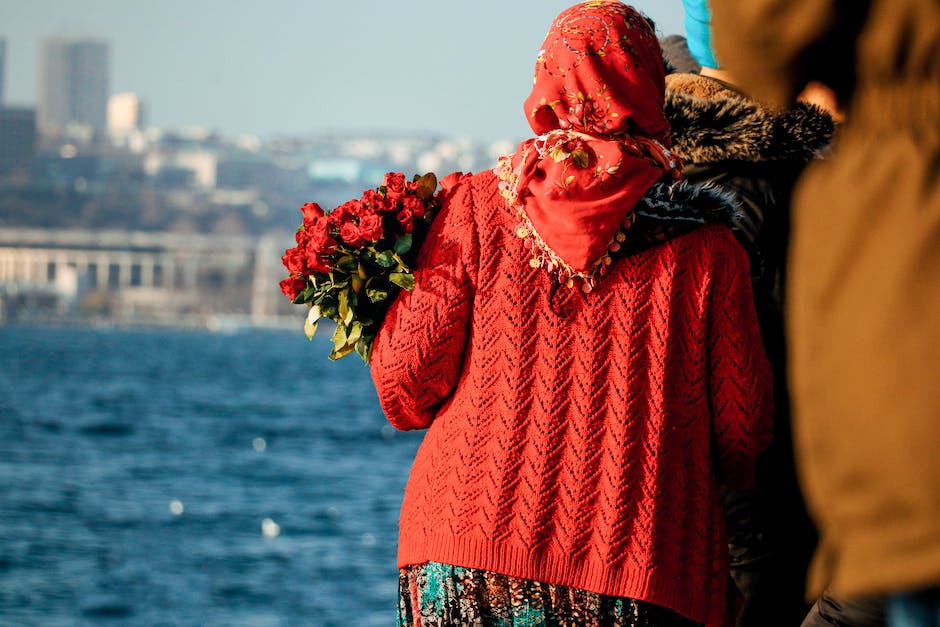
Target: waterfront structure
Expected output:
[17,139]
[143,277]
[73,85]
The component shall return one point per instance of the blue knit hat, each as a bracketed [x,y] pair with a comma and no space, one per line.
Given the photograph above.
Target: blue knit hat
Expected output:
[698,33]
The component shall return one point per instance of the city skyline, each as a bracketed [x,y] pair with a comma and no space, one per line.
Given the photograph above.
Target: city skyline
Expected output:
[292,68]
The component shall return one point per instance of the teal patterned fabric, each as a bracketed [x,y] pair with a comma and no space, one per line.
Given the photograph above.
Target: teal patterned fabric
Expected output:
[441,595]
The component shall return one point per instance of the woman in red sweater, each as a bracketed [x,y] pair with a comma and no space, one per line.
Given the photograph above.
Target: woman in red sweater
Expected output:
[582,347]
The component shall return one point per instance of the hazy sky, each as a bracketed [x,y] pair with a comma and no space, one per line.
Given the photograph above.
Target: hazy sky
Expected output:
[296,66]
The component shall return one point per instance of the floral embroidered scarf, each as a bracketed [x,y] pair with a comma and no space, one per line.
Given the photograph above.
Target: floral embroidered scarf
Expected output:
[603,140]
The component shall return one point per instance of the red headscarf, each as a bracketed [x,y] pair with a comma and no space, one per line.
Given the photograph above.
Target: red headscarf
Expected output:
[597,106]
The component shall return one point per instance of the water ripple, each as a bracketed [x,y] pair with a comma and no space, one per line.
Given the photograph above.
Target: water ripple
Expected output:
[135,487]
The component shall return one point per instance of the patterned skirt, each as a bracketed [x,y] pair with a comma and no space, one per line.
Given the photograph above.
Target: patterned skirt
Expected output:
[440,595]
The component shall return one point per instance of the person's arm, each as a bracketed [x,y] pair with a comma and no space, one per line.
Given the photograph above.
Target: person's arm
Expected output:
[739,375]
[774,48]
[419,350]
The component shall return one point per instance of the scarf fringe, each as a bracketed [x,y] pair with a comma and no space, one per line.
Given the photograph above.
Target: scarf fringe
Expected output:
[665,211]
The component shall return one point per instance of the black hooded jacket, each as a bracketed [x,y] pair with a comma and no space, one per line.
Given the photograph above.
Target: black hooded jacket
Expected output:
[754,154]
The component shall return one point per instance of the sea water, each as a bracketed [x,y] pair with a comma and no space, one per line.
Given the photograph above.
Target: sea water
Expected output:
[193,478]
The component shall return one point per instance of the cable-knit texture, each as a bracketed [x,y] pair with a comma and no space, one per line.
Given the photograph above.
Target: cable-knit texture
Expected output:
[575,438]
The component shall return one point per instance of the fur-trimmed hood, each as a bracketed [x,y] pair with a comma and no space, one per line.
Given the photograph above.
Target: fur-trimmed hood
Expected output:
[671,210]
[712,122]
[687,203]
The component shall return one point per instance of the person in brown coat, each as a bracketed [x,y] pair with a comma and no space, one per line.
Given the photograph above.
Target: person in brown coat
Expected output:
[863,284]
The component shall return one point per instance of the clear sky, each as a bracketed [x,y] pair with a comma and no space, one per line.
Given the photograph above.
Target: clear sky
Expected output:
[273,67]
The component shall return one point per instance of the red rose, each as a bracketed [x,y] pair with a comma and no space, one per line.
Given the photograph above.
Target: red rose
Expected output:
[405,220]
[321,246]
[394,185]
[292,286]
[351,235]
[370,227]
[317,245]
[413,205]
[302,236]
[317,261]
[346,212]
[311,211]
[375,202]
[317,236]
[293,260]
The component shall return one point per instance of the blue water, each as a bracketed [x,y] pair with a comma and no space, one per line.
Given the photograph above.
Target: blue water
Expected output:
[137,468]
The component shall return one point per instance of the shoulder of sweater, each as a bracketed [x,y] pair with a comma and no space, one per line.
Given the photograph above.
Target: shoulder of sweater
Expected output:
[485,186]
[721,245]
[480,196]
[473,189]
[714,239]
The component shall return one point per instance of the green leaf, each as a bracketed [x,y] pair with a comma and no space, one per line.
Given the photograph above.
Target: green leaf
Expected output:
[348,264]
[403,244]
[386,259]
[305,296]
[357,283]
[426,186]
[339,353]
[364,349]
[339,337]
[355,333]
[580,158]
[376,296]
[310,324]
[328,310]
[403,280]
[345,311]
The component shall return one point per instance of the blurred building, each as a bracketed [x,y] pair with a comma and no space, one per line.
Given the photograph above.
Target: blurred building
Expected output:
[184,167]
[73,85]
[241,169]
[17,138]
[125,114]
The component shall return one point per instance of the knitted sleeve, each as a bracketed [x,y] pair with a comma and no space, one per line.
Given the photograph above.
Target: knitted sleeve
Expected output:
[739,374]
[418,352]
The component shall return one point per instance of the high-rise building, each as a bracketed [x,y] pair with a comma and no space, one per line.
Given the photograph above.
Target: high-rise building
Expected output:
[3,67]
[17,138]
[73,85]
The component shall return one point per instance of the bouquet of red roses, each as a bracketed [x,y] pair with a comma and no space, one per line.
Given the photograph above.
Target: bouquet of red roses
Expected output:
[349,264]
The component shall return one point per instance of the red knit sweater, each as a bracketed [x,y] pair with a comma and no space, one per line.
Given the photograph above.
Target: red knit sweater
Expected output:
[575,438]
